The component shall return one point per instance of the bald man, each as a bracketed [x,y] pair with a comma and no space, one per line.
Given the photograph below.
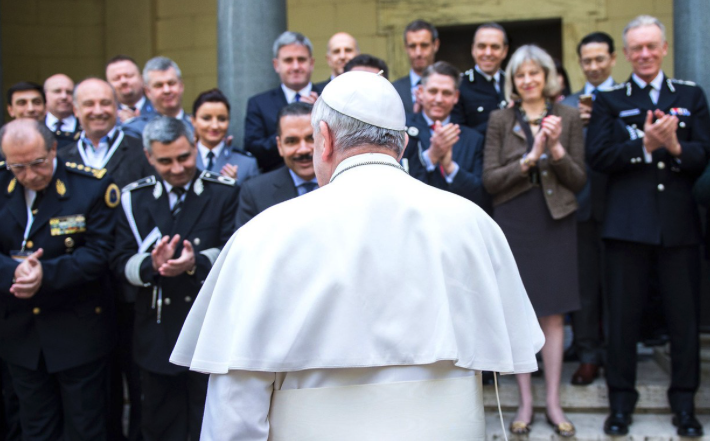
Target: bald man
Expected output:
[342,47]
[60,117]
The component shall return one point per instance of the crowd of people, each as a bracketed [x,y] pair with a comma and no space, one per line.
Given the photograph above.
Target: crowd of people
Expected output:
[118,203]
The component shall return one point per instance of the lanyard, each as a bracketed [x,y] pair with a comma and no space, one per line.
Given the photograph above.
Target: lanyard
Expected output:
[30,221]
[118,137]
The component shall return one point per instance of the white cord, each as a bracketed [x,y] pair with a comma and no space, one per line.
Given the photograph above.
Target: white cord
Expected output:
[500,411]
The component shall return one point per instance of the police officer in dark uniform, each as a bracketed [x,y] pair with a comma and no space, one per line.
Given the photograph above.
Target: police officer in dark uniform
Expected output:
[60,118]
[169,234]
[58,222]
[651,221]
[483,87]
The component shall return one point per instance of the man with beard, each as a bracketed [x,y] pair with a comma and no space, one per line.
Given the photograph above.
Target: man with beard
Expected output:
[294,140]
[123,73]
[164,89]
[60,117]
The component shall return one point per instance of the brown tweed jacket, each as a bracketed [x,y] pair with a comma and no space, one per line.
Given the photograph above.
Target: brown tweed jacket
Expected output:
[560,180]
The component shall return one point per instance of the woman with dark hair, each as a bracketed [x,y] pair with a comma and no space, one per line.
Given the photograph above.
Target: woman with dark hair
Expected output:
[533,165]
[563,79]
[210,117]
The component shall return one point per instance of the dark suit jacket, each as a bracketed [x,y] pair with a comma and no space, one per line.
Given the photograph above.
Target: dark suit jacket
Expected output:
[127,164]
[649,203]
[260,127]
[207,221]
[591,198]
[560,180]
[403,86]
[135,126]
[262,192]
[320,86]
[65,138]
[66,322]
[467,153]
[477,100]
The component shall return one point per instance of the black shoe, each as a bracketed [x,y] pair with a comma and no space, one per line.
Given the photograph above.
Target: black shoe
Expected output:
[617,423]
[687,424]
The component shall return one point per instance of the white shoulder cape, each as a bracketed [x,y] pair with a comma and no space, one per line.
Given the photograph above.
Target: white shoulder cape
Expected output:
[374,269]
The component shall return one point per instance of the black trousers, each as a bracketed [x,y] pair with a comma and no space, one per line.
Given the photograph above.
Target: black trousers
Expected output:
[628,267]
[10,415]
[173,405]
[69,405]
[587,322]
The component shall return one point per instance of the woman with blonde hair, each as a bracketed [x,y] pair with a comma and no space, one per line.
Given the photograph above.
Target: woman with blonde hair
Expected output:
[533,166]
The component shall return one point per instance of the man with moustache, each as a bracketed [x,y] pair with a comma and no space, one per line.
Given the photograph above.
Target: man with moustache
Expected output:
[651,223]
[597,58]
[164,88]
[421,41]
[123,73]
[60,111]
[26,100]
[440,153]
[169,234]
[482,88]
[342,47]
[294,140]
[293,62]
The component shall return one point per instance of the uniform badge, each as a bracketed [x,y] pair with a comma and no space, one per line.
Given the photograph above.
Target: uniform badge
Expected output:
[157,190]
[113,196]
[11,186]
[199,187]
[61,188]
[69,242]
[412,131]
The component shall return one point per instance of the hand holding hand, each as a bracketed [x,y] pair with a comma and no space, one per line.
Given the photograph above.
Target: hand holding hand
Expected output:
[442,141]
[186,262]
[28,276]
[163,251]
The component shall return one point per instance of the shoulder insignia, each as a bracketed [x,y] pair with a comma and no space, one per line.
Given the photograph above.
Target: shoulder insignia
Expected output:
[77,136]
[469,74]
[85,170]
[412,131]
[214,177]
[145,182]
[614,87]
[113,196]
[683,82]
[2,165]
[11,186]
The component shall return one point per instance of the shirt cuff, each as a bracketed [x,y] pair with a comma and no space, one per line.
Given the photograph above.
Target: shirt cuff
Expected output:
[426,161]
[451,176]
[647,157]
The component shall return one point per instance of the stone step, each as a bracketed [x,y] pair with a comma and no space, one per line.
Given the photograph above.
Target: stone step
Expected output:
[652,383]
[647,427]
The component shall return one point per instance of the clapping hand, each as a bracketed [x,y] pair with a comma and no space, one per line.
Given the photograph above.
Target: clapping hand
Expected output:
[442,141]
[661,133]
[28,276]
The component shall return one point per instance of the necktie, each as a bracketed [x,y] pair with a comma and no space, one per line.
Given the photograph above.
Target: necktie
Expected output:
[309,186]
[58,126]
[594,93]
[210,160]
[177,191]
[35,204]
[648,89]
[297,98]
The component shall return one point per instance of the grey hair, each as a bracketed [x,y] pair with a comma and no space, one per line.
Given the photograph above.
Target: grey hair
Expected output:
[643,20]
[162,64]
[164,129]
[349,132]
[115,95]
[19,129]
[289,37]
[537,55]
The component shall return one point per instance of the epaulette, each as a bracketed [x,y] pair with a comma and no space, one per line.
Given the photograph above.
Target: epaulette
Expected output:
[469,74]
[216,177]
[82,169]
[614,87]
[145,182]
[2,165]
[683,82]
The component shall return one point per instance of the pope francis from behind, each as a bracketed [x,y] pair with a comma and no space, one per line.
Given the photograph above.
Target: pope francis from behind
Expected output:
[364,310]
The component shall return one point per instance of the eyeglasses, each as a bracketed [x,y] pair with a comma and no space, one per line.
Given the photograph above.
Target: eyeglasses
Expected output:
[35,165]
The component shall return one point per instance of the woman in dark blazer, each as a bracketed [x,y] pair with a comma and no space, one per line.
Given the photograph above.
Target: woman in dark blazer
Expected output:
[533,164]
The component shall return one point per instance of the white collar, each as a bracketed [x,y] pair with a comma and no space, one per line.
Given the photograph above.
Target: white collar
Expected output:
[297,180]
[362,159]
[495,76]
[138,105]
[414,78]
[204,150]
[655,83]
[606,84]
[105,138]
[291,94]
[51,121]
[169,187]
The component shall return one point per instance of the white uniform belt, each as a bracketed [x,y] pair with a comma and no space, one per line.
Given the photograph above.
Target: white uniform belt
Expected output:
[448,409]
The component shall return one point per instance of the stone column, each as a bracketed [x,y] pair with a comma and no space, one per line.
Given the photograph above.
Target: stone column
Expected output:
[246,30]
[690,51]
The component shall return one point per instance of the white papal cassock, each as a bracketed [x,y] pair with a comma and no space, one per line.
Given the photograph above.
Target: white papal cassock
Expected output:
[363,310]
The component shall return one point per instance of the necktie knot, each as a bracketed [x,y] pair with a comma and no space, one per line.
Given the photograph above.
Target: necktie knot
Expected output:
[309,186]
[58,125]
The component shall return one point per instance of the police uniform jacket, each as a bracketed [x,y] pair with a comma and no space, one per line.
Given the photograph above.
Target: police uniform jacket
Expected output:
[65,138]
[65,321]
[206,220]
[467,153]
[478,98]
[649,203]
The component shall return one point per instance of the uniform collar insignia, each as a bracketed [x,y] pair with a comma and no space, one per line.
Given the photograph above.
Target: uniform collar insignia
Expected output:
[199,187]
[61,188]
[11,186]
[158,190]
